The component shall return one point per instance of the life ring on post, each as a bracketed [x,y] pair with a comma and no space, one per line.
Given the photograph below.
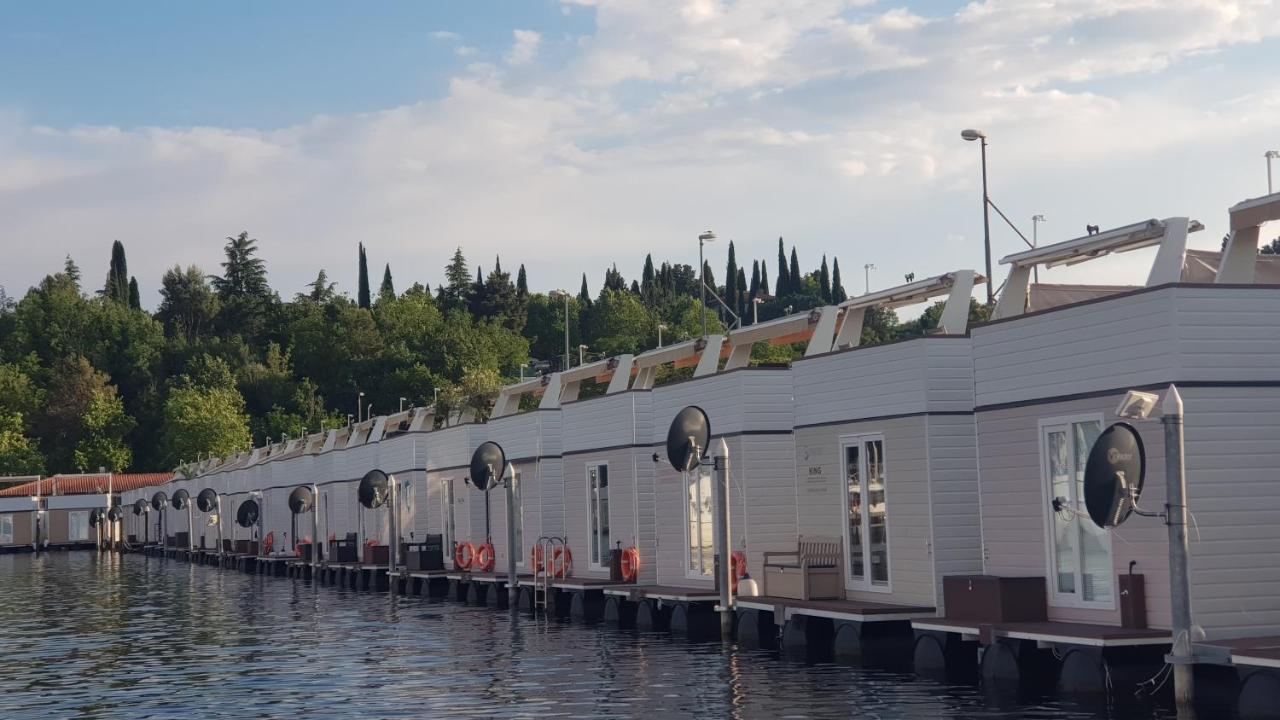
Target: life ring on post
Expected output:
[463,555]
[630,564]
[484,556]
[562,562]
[268,542]
[536,559]
[738,565]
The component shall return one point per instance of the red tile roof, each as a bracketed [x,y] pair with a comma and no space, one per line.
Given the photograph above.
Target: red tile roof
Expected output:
[87,484]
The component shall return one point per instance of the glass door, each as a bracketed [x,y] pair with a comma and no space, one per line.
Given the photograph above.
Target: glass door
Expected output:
[598,515]
[866,525]
[1080,563]
[700,532]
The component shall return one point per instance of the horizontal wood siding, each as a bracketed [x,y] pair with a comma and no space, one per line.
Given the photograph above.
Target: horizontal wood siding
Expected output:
[600,422]
[867,382]
[953,488]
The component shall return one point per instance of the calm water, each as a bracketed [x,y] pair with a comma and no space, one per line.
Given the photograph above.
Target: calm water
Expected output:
[84,636]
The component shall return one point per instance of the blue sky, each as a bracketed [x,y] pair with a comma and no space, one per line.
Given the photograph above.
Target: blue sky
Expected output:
[569,135]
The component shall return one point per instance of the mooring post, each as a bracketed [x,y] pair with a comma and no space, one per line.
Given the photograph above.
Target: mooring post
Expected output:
[393,531]
[722,538]
[1179,553]
[513,588]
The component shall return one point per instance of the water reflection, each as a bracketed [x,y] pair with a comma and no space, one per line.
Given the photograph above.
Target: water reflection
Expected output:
[143,637]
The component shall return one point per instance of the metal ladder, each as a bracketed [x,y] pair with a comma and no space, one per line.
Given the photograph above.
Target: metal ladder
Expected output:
[543,577]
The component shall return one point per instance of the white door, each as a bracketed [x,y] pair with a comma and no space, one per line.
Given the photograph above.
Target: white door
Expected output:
[1080,565]
[866,523]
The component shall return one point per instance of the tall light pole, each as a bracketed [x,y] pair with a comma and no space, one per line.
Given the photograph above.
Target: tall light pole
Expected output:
[866,269]
[581,360]
[755,310]
[1035,242]
[703,239]
[360,407]
[565,295]
[1271,155]
[972,135]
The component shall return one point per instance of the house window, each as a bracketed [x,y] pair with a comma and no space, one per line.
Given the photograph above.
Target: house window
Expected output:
[1080,564]
[517,509]
[78,525]
[446,515]
[700,518]
[598,514]
[866,525]
[6,529]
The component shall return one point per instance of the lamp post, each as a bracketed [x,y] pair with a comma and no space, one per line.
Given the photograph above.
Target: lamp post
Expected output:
[360,407]
[565,295]
[1271,155]
[703,239]
[867,271]
[522,367]
[581,360]
[755,310]
[972,135]
[661,327]
[402,402]
[1035,242]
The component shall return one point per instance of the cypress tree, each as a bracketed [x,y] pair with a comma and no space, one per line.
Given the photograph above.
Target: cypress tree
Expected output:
[794,284]
[710,277]
[764,278]
[479,298]
[362,296]
[824,280]
[740,297]
[388,289]
[837,288]
[522,283]
[72,271]
[754,291]
[135,300]
[584,295]
[117,286]
[782,284]
[731,288]
[635,287]
[647,277]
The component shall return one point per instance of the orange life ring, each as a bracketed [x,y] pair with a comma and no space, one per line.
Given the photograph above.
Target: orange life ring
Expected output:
[738,564]
[463,555]
[630,564]
[564,556]
[535,558]
[484,556]
[268,542]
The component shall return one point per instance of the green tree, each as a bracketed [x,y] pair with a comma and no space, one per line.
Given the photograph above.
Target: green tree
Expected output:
[72,271]
[322,291]
[731,289]
[19,393]
[388,289]
[764,279]
[18,453]
[116,288]
[501,301]
[619,323]
[187,306]
[794,283]
[456,291]
[584,295]
[362,294]
[783,283]
[837,287]
[522,283]
[244,296]
[647,278]
[105,425]
[203,421]
[754,290]
[824,280]
[135,299]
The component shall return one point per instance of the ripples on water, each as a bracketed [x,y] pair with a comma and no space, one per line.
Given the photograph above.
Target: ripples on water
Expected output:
[85,636]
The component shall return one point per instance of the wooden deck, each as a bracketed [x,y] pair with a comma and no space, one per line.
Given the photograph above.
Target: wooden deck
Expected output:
[861,611]
[488,577]
[663,592]
[1052,632]
[1263,651]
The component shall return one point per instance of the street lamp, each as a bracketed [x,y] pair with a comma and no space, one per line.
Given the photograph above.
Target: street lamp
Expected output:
[1035,240]
[581,360]
[565,295]
[360,407]
[755,310]
[522,367]
[867,270]
[1271,155]
[703,239]
[661,327]
[971,135]
[402,402]
[435,397]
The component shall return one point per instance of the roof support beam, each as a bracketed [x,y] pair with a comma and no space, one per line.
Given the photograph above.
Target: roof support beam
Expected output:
[955,314]
[1172,255]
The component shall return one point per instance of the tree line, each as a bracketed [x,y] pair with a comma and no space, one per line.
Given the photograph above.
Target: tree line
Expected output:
[89,379]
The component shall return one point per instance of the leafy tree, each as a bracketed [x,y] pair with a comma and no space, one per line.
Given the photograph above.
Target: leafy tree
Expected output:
[72,271]
[388,289]
[1271,248]
[824,280]
[837,287]
[243,293]
[105,425]
[456,291]
[501,301]
[619,323]
[322,291]
[19,393]
[18,453]
[473,392]
[545,326]
[187,306]
[613,280]
[783,282]
[200,421]
[362,294]
[116,288]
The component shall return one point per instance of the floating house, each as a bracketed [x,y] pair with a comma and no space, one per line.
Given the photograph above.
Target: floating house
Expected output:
[1049,372]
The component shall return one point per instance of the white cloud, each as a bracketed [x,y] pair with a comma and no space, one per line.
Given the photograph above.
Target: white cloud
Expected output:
[525,48]
[445,35]
[831,123]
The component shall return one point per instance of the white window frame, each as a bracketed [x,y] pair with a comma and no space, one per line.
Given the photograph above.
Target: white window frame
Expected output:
[517,494]
[866,584]
[446,513]
[591,512]
[6,538]
[82,516]
[1057,599]
[690,572]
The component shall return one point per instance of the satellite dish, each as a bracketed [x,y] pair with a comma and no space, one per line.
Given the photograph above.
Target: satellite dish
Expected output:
[247,514]
[488,463]
[180,499]
[159,500]
[688,438]
[140,506]
[373,490]
[114,514]
[1114,474]
[207,500]
[300,500]
[95,517]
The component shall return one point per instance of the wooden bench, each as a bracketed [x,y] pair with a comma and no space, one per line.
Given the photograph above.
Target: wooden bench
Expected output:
[811,572]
